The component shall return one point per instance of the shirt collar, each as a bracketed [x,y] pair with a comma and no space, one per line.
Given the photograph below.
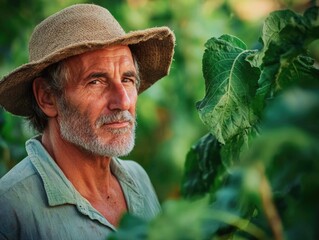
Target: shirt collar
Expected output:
[60,190]
[134,198]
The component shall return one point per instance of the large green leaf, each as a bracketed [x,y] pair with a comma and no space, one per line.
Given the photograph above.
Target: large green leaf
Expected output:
[202,167]
[274,41]
[296,72]
[231,152]
[283,58]
[311,17]
[231,84]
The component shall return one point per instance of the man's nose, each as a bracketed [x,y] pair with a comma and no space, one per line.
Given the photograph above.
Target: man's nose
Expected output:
[119,98]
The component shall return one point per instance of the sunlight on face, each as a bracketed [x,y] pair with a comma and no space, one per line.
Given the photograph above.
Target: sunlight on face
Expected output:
[75,127]
[97,109]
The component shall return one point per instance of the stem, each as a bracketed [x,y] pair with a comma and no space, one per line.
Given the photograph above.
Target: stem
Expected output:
[269,207]
[240,223]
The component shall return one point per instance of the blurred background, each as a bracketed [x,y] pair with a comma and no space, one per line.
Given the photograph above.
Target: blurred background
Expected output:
[168,123]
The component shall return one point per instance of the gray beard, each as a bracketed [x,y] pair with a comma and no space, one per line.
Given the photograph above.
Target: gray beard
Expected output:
[76,129]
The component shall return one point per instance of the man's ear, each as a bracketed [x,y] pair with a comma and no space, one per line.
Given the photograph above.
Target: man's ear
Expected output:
[44,98]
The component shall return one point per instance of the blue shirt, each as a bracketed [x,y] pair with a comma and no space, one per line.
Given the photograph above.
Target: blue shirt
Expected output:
[37,201]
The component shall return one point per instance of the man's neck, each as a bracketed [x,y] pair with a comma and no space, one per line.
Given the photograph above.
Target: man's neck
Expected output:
[90,174]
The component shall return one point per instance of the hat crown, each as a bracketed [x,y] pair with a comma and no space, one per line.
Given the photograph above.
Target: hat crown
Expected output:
[75,25]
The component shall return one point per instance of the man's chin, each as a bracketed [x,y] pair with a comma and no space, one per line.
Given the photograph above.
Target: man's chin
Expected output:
[117,146]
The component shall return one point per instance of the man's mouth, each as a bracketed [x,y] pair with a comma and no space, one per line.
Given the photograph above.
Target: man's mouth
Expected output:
[116,120]
[118,124]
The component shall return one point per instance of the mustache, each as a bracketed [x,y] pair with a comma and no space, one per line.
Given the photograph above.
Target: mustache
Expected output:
[120,116]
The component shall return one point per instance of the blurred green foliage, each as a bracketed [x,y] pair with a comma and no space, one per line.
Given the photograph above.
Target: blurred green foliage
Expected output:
[259,182]
[167,117]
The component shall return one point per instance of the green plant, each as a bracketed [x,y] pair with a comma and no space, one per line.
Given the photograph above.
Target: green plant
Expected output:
[13,134]
[255,175]
[262,106]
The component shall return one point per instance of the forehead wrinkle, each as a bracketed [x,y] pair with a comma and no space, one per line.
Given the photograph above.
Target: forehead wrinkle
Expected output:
[80,65]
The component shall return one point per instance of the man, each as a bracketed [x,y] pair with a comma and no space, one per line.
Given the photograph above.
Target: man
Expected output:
[79,90]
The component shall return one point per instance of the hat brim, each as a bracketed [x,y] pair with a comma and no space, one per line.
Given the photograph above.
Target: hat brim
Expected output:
[153,49]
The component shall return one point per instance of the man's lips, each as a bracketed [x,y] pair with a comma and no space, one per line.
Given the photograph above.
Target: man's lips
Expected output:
[118,124]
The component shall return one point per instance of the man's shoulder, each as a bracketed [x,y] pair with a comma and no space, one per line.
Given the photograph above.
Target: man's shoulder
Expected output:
[16,176]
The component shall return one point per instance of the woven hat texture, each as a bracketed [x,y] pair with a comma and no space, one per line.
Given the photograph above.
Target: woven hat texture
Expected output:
[78,29]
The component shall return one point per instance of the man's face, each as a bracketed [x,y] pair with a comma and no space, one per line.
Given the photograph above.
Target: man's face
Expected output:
[97,110]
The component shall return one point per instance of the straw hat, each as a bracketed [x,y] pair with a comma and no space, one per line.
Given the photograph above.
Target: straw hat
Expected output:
[78,29]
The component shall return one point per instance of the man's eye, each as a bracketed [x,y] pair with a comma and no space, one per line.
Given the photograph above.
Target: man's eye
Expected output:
[94,82]
[128,80]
